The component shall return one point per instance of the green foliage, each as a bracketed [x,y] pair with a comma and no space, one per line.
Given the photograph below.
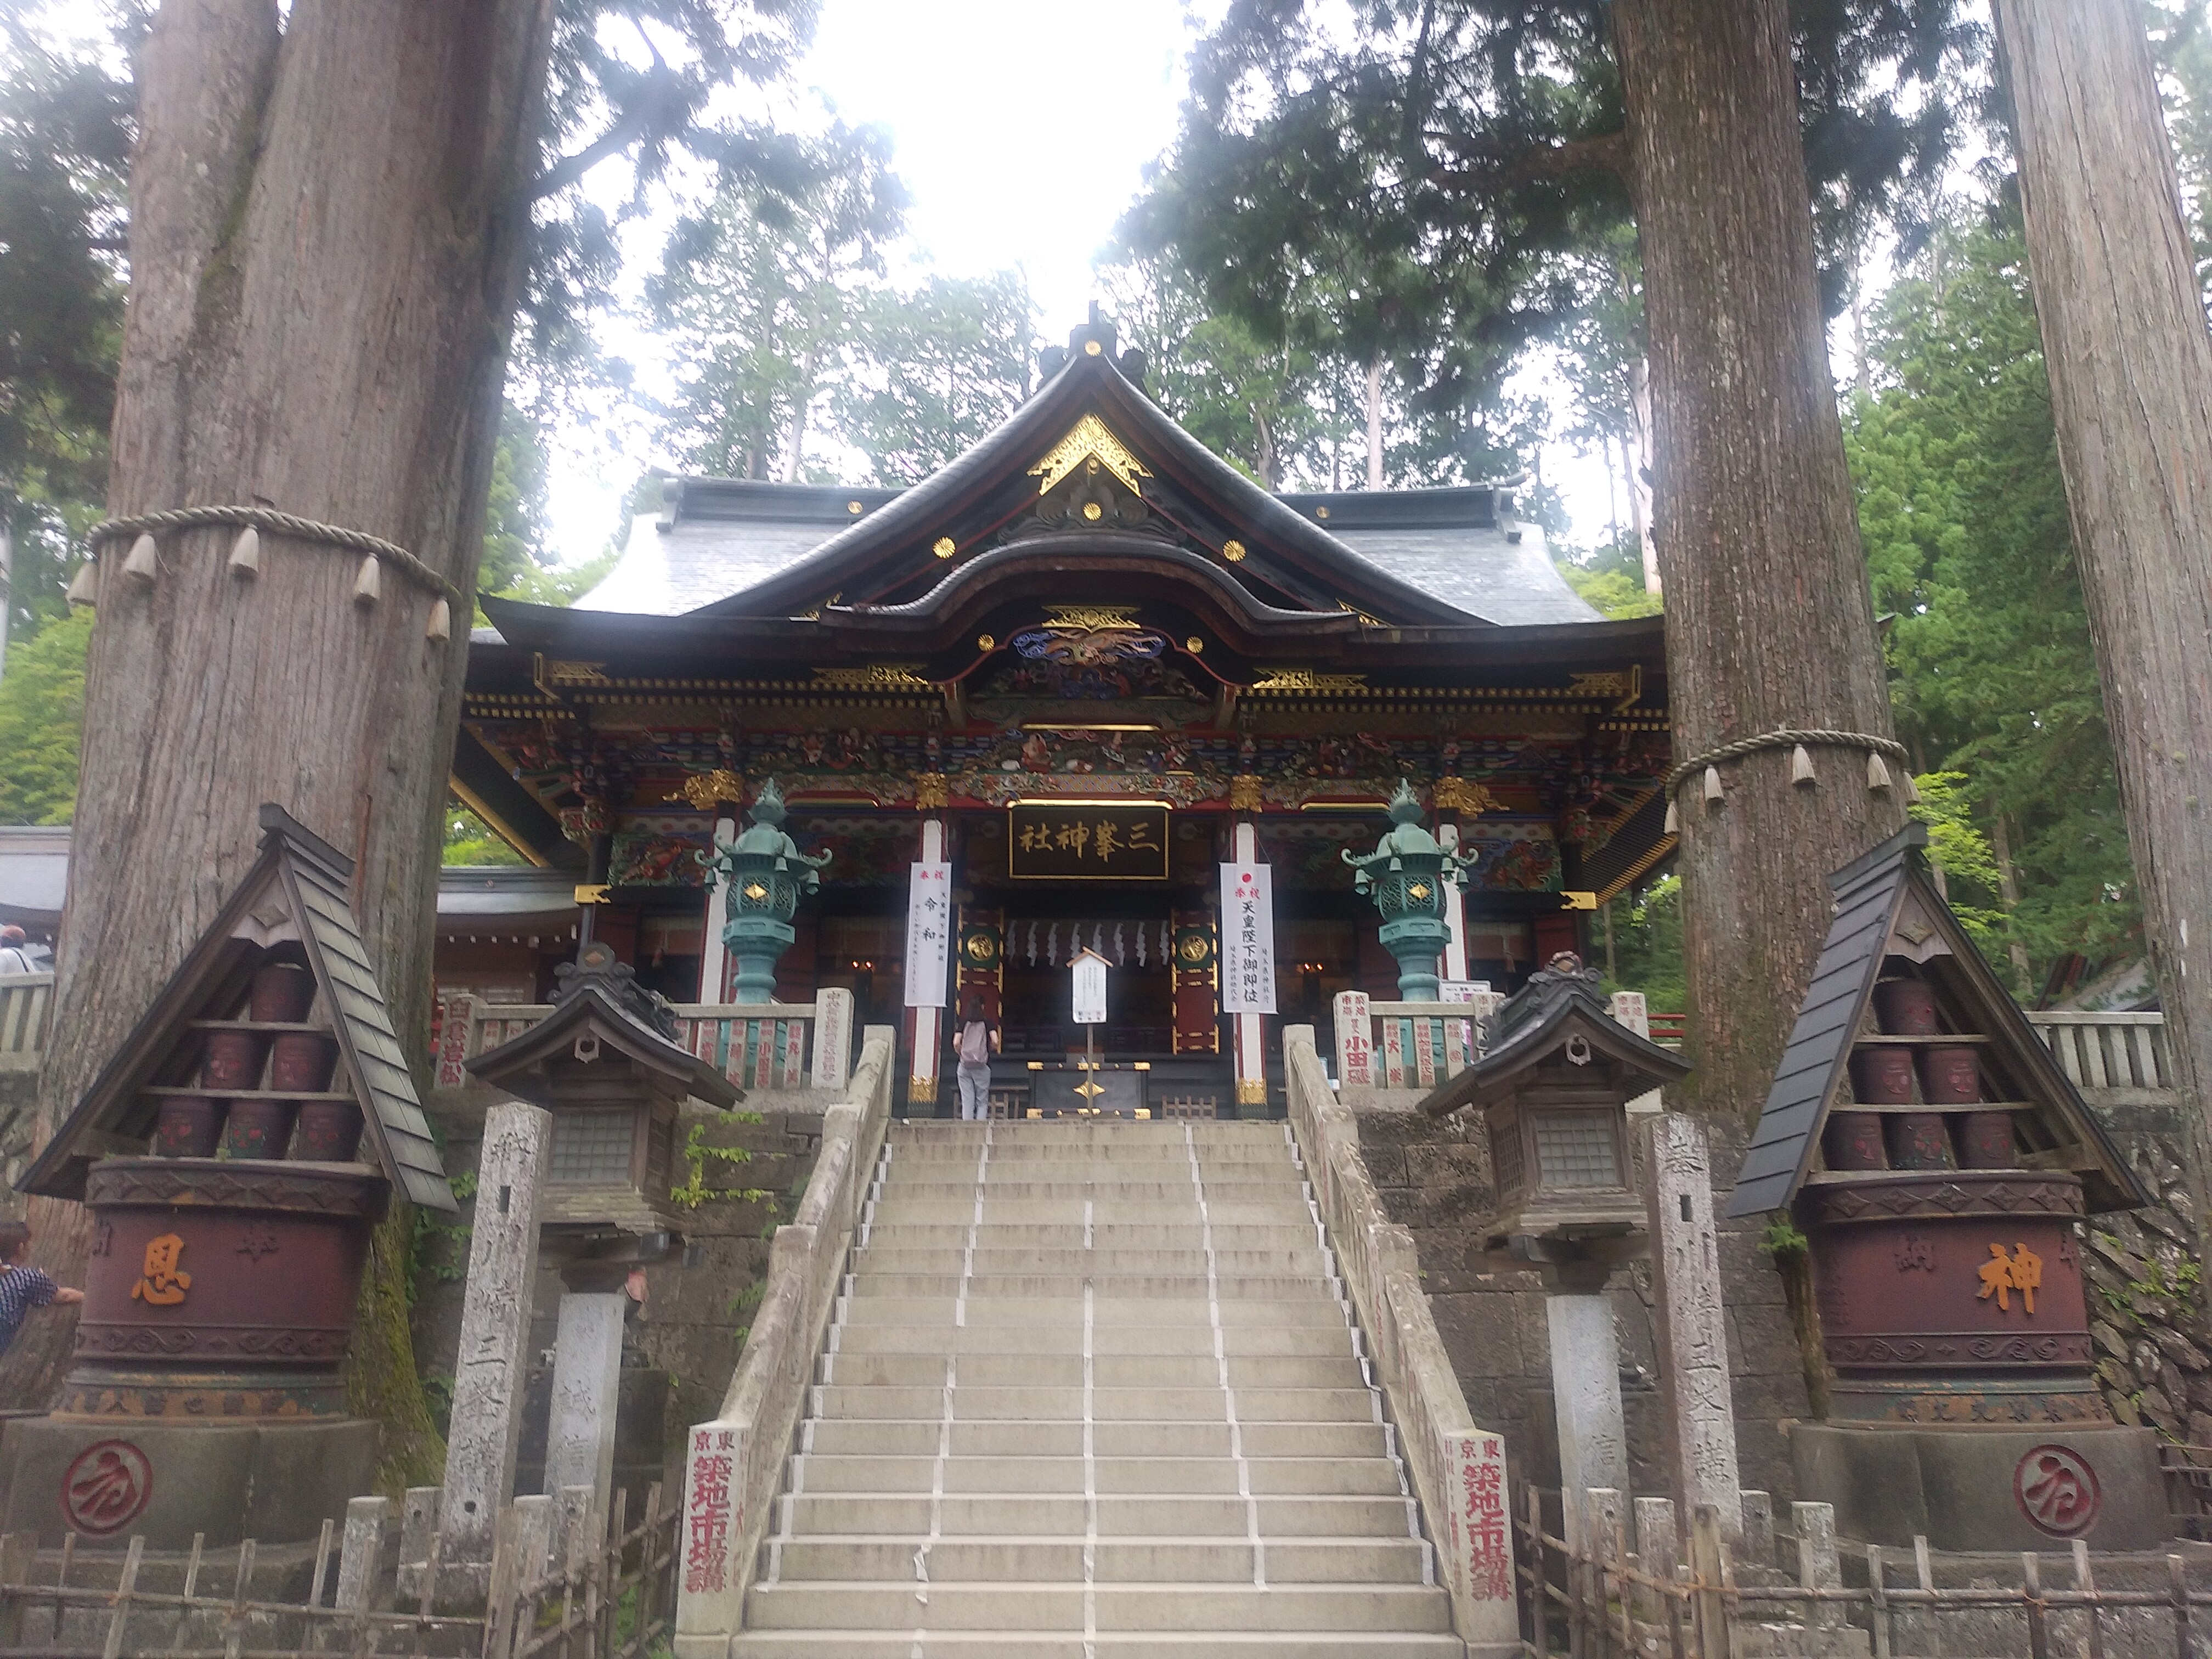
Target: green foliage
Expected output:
[697,1153]
[1647,946]
[755,293]
[1963,512]
[41,715]
[1960,852]
[931,371]
[64,149]
[1437,182]
[1783,1241]
[514,515]
[1611,578]
[470,840]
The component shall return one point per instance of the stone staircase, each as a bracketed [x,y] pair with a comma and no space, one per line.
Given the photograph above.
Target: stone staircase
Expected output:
[1094,1389]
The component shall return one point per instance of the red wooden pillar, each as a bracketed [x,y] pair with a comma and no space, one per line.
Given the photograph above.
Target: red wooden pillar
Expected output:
[1197,983]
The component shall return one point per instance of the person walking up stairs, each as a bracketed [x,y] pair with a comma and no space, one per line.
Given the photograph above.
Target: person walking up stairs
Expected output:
[1094,1389]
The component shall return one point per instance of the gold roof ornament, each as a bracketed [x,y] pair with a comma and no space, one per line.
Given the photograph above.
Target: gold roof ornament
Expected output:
[1091,617]
[876,677]
[1088,441]
[704,790]
[1303,679]
[1465,795]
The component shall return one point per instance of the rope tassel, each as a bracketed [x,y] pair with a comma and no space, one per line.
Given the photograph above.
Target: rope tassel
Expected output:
[246,553]
[440,625]
[144,562]
[1674,820]
[84,586]
[1801,767]
[1713,785]
[369,587]
[1877,774]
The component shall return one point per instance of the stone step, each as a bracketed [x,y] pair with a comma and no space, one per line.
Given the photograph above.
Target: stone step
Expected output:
[1325,1340]
[1107,1371]
[1125,1132]
[1107,1404]
[862,1604]
[1120,1516]
[1279,1477]
[1146,1560]
[883,1257]
[1144,1644]
[1021,1149]
[1312,1306]
[1072,1235]
[920,1437]
[1285,1210]
[1195,1288]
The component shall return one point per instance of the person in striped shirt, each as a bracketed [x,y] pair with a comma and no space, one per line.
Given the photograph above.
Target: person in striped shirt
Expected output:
[23,1287]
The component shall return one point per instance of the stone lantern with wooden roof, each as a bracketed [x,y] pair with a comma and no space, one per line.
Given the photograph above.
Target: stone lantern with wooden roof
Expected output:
[1553,1086]
[1940,1165]
[235,1152]
[606,1064]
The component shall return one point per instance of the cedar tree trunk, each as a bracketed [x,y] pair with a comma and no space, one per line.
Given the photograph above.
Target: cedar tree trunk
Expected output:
[2130,367]
[329,218]
[1769,620]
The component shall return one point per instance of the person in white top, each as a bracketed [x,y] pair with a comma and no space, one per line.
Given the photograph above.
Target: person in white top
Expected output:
[14,952]
[977,1039]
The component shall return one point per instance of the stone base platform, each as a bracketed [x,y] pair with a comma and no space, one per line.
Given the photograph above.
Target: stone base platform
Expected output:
[1967,1487]
[271,1481]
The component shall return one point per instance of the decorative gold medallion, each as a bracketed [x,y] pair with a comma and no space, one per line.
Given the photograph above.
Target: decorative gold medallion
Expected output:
[942,547]
[930,792]
[754,891]
[1245,792]
[1417,891]
[1193,645]
[1093,512]
[1233,551]
[986,642]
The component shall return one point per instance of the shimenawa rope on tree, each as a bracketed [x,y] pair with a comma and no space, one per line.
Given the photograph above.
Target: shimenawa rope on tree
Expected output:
[279,524]
[1811,737]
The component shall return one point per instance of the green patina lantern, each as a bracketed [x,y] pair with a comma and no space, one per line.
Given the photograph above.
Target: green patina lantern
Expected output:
[1404,875]
[766,873]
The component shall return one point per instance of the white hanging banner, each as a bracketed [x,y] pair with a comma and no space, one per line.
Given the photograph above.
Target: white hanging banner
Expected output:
[1089,972]
[928,934]
[1247,939]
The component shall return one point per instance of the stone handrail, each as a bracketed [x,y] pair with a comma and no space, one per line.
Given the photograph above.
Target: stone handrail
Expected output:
[1458,1469]
[764,1047]
[2106,1054]
[26,1003]
[733,1466]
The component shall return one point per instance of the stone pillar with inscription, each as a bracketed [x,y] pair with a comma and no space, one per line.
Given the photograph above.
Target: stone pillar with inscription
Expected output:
[489,1370]
[1251,1027]
[1586,1389]
[1693,1321]
[580,1429]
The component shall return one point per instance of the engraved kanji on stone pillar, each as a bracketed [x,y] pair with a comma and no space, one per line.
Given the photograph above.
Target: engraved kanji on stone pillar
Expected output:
[489,1374]
[1691,1323]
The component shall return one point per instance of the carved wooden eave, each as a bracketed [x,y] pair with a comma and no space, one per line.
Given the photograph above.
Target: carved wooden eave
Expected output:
[294,893]
[1887,905]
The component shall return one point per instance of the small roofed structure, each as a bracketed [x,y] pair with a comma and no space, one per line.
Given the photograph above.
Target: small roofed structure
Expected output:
[290,908]
[1938,1161]
[1554,1088]
[607,1064]
[1892,925]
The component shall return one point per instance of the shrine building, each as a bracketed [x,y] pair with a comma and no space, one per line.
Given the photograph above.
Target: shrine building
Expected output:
[1080,668]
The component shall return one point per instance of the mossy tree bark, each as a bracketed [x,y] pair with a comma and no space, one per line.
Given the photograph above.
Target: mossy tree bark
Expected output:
[2130,365]
[329,219]
[1770,622]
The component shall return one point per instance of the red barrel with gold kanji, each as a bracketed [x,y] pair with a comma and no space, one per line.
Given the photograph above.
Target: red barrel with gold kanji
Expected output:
[1955,1297]
[220,1289]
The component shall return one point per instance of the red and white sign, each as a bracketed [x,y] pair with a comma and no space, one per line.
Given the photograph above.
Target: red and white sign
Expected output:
[713,1518]
[1247,939]
[1355,1042]
[928,934]
[1481,1530]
